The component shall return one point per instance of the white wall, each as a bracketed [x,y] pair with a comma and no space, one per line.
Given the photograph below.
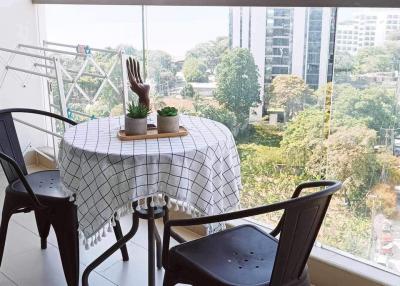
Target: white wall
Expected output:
[19,24]
[299,37]
[325,39]
[258,34]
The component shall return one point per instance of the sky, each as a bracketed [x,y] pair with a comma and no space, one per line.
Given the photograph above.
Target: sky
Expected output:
[172,29]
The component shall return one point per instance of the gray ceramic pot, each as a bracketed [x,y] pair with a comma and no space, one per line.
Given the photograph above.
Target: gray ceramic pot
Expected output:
[167,124]
[135,126]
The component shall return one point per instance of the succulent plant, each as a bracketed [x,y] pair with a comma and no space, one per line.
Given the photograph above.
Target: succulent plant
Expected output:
[168,111]
[137,111]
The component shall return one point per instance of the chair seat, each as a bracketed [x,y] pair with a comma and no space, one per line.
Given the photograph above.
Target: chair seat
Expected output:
[243,255]
[43,183]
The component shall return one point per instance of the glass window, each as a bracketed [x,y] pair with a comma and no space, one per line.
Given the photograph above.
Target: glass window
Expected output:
[294,115]
[280,42]
[364,106]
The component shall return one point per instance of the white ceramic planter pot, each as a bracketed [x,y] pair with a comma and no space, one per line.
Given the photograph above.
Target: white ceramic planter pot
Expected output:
[168,124]
[135,126]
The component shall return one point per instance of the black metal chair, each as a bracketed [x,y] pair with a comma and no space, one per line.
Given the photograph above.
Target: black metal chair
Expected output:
[246,255]
[40,192]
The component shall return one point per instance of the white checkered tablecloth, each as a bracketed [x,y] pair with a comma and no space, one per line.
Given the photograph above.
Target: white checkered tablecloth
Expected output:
[200,172]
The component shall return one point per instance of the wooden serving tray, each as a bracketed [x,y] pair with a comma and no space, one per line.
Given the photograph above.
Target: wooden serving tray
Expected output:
[152,133]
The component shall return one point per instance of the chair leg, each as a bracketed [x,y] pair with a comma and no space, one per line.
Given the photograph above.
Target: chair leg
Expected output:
[65,224]
[168,279]
[158,248]
[43,225]
[118,236]
[5,219]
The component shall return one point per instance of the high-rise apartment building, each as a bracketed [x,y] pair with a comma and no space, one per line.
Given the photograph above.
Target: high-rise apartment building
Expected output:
[296,41]
[369,28]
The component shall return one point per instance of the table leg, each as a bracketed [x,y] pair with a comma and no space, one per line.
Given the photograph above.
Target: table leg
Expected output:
[174,235]
[111,250]
[151,254]
[118,236]
[158,248]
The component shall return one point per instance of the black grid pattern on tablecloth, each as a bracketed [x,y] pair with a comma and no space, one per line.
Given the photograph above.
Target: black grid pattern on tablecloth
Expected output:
[104,173]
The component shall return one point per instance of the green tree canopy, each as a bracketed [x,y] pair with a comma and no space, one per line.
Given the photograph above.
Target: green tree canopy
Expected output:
[195,70]
[374,107]
[347,155]
[291,92]
[210,52]
[302,136]
[219,114]
[373,59]
[344,62]
[237,83]
[188,91]
[162,70]
[351,159]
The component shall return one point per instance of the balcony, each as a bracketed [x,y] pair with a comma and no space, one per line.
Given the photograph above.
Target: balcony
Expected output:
[291,123]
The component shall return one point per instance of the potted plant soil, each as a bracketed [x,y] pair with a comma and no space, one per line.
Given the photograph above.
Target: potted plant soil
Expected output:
[136,119]
[168,120]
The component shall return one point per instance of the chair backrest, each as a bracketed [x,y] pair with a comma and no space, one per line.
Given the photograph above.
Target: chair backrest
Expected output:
[9,145]
[300,225]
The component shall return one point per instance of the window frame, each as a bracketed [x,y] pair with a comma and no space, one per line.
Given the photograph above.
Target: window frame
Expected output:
[262,3]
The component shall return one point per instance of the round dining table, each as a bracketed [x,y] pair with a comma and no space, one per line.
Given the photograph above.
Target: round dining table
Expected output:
[107,178]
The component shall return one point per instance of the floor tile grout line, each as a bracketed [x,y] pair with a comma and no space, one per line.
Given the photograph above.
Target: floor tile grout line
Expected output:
[12,281]
[112,264]
[34,233]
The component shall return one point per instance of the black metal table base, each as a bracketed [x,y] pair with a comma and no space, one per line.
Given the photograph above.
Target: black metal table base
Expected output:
[154,242]
[119,244]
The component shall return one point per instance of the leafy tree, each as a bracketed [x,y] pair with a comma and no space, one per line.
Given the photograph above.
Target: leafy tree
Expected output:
[162,70]
[262,133]
[383,200]
[291,92]
[351,159]
[344,62]
[100,108]
[302,136]
[373,59]
[188,91]
[373,107]
[219,114]
[237,83]
[195,70]
[210,52]
[344,67]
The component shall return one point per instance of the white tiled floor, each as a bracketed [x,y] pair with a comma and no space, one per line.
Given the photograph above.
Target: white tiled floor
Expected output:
[25,264]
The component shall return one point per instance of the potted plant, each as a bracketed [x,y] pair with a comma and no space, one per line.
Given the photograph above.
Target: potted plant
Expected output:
[136,119]
[168,120]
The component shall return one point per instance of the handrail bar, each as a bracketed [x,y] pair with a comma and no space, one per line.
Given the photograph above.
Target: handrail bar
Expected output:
[35,73]
[52,50]
[80,113]
[37,127]
[26,54]
[74,46]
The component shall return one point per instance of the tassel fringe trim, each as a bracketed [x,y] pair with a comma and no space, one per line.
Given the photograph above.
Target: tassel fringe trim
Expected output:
[155,201]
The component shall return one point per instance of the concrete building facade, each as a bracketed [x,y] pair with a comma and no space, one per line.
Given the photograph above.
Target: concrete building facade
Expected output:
[296,41]
[367,28]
